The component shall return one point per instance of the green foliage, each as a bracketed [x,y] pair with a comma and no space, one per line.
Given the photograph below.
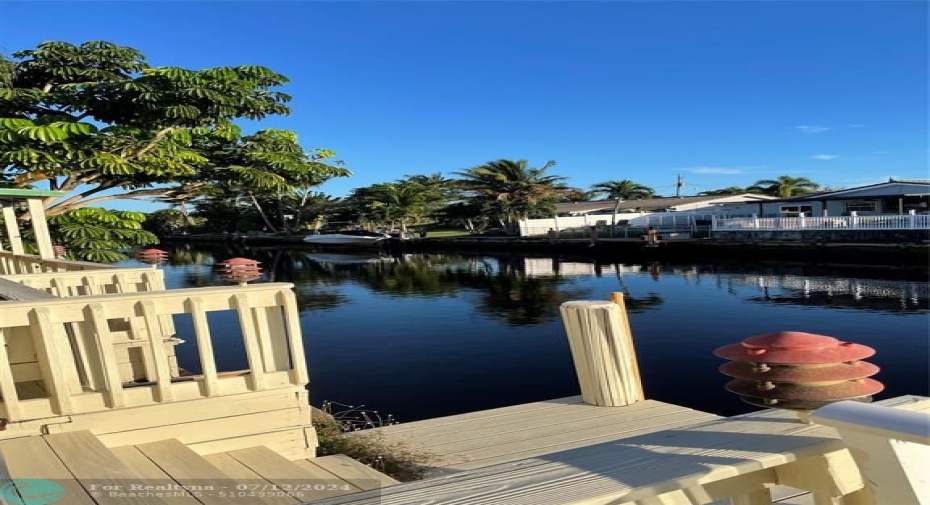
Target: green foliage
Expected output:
[396,459]
[729,190]
[412,200]
[510,190]
[95,118]
[623,190]
[785,186]
[95,234]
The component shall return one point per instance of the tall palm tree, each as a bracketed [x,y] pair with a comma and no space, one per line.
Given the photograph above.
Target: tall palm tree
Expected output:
[784,186]
[623,190]
[512,190]
[729,190]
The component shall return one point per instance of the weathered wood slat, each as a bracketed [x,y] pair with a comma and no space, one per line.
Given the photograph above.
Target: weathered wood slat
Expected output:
[630,469]
[149,471]
[311,484]
[31,458]
[93,464]
[7,384]
[10,290]
[250,338]
[96,315]
[189,469]
[287,299]
[54,360]
[488,457]
[204,345]
[463,419]
[157,349]
[522,422]
[244,475]
[358,474]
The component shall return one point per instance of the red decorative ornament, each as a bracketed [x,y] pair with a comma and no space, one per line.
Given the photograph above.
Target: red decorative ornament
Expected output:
[152,256]
[798,371]
[240,270]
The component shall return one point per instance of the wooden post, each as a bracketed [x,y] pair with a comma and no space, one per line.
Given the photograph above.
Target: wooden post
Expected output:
[890,446]
[12,232]
[603,353]
[40,228]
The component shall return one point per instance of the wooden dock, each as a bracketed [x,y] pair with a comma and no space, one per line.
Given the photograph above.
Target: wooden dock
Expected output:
[489,437]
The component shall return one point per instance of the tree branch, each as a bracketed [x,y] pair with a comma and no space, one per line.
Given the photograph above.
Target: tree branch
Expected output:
[132,194]
[148,147]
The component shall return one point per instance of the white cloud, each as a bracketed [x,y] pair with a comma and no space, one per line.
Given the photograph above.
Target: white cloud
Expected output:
[811,128]
[855,125]
[714,170]
[825,157]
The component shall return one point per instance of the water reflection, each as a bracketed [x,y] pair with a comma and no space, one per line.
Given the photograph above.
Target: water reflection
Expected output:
[525,291]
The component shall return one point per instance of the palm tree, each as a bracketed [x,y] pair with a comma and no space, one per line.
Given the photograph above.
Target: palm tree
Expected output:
[623,190]
[729,190]
[512,190]
[785,186]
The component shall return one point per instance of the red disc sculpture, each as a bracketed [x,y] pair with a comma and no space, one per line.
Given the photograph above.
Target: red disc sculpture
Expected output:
[798,371]
[240,270]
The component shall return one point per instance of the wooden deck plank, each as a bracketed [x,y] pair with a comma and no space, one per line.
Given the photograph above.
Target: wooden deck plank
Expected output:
[615,422]
[480,460]
[358,474]
[150,472]
[93,464]
[189,469]
[308,484]
[32,458]
[630,469]
[566,414]
[480,414]
[245,475]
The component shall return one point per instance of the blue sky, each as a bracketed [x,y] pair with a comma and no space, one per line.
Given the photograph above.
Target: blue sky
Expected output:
[724,93]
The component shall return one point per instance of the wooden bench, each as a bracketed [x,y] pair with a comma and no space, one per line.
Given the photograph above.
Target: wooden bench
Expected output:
[739,458]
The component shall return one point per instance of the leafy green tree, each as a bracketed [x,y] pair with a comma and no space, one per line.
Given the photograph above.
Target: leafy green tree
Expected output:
[785,186]
[512,191]
[96,121]
[98,235]
[412,200]
[623,190]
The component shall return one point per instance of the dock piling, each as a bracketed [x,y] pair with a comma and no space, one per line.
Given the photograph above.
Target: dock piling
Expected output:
[602,351]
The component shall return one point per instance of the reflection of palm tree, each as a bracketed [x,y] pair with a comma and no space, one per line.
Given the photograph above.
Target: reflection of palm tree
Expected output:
[637,304]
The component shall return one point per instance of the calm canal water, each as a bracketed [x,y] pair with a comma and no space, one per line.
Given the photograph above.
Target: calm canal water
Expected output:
[426,335]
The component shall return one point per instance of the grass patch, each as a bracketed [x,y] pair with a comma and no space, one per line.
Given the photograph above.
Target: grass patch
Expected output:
[341,429]
[451,232]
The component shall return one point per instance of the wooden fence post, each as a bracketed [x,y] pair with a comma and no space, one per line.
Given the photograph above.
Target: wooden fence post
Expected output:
[603,353]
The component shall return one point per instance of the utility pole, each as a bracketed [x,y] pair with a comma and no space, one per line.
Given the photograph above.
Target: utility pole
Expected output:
[678,185]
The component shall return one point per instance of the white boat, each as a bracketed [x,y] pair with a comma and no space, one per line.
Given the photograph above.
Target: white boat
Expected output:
[347,238]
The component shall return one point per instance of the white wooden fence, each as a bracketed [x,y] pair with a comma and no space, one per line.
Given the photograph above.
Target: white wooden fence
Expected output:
[12,264]
[80,373]
[877,222]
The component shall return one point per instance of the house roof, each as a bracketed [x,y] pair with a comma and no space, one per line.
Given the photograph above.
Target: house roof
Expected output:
[922,187]
[648,204]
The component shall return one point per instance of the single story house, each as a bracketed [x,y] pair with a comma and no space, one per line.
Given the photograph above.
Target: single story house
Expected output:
[892,197]
[697,204]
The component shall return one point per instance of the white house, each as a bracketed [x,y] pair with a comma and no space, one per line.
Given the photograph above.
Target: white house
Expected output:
[892,197]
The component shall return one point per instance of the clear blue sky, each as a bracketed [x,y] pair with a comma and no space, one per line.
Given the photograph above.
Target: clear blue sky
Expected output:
[724,93]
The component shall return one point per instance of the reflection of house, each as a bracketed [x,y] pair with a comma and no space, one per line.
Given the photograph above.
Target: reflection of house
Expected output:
[893,197]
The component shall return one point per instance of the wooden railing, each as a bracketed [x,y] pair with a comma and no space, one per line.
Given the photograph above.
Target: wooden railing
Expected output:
[79,371]
[94,282]
[877,222]
[12,264]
